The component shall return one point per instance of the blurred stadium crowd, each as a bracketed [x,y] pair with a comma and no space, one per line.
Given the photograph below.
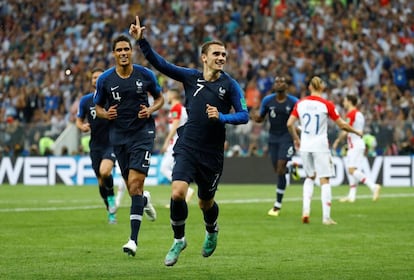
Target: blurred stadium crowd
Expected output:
[365,47]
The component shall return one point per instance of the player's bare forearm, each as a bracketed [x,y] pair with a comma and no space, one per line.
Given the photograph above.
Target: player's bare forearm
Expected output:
[145,112]
[158,103]
[340,138]
[346,127]
[84,127]
[109,114]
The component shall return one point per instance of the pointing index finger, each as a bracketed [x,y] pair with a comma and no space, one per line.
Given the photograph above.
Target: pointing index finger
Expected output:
[137,23]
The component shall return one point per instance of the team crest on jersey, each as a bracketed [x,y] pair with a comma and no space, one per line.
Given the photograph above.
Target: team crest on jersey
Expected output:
[288,108]
[221,93]
[139,84]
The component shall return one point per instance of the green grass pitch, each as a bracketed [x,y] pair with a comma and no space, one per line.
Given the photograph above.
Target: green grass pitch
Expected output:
[61,232]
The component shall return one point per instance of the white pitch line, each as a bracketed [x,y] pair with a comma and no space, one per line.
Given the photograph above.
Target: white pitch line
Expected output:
[225,201]
[315,197]
[45,209]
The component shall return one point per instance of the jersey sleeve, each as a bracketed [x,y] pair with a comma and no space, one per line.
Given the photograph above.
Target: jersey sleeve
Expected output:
[332,112]
[294,99]
[295,111]
[155,88]
[81,114]
[176,112]
[241,114]
[263,107]
[175,72]
[359,117]
[98,96]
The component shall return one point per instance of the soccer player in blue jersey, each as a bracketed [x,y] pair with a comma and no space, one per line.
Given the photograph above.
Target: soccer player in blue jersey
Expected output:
[277,106]
[101,152]
[210,96]
[122,98]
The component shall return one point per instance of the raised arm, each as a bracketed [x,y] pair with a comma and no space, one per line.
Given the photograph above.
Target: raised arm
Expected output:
[157,61]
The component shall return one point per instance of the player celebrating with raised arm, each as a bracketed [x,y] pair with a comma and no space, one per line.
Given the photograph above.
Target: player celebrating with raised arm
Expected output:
[313,112]
[278,107]
[199,151]
[123,90]
[356,151]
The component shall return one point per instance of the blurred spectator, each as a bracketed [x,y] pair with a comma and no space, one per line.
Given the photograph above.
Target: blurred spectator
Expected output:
[252,95]
[371,144]
[357,46]
[46,144]
[57,123]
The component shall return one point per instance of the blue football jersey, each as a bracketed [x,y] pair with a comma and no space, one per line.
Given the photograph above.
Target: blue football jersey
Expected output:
[200,132]
[99,127]
[128,94]
[278,114]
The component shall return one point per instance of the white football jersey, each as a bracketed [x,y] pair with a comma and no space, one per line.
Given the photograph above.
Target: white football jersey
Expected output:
[355,119]
[313,113]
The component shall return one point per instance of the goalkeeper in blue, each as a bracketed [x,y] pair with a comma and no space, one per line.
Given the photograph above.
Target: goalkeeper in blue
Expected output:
[212,99]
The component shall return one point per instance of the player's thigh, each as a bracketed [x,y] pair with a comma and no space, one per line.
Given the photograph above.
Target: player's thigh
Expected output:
[107,162]
[274,152]
[96,158]
[140,155]
[208,175]
[324,164]
[308,163]
[122,158]
[134,155]
[184,168]
[354,158]
[286,151]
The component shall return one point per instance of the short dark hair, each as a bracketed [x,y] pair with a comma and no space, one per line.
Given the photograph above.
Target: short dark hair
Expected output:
[206,45]
[121,38]
[352,98]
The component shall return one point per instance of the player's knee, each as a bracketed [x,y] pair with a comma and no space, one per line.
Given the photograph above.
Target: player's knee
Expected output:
[205,204]
[178,191]
[178,194]
[105,170]
[105,173]
[135,186]
[280,170]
